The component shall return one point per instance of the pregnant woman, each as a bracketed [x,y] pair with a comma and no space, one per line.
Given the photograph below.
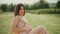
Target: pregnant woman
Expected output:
[21,25]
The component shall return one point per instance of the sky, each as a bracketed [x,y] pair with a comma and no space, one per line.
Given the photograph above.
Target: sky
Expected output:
[24,1]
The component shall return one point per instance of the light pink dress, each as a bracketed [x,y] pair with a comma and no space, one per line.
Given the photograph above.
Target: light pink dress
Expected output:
[23,23]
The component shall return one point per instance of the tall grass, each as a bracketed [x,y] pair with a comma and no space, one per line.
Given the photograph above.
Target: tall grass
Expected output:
[50,21]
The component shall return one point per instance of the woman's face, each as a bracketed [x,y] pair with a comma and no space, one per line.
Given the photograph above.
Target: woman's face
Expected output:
[21,11]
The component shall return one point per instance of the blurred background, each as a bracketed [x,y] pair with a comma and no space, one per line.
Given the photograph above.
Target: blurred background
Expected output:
[38,12]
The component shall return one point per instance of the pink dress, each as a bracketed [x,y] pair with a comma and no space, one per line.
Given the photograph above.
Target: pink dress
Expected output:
[23,23]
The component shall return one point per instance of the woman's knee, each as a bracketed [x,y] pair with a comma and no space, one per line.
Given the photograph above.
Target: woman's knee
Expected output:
[40,27]
[43,29]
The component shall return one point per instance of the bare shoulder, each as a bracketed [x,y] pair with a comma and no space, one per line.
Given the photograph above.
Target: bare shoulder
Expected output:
[16,17]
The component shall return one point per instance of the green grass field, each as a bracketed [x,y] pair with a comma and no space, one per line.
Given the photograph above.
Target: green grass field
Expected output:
[50,21]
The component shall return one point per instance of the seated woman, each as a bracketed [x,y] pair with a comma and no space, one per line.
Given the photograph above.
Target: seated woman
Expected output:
[21,25]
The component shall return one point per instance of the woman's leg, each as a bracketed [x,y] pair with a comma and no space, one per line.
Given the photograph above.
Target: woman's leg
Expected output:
[39,30]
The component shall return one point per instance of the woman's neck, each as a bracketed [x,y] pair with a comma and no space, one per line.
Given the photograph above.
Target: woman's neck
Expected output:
[21,15]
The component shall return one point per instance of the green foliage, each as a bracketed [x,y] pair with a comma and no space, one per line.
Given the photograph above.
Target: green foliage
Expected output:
[45,11]
[27,7]
[43,4]
[11,7]
[3,7]
[58,4]
[39,5]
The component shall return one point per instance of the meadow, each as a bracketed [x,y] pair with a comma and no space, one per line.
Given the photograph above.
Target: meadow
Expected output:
[50,21]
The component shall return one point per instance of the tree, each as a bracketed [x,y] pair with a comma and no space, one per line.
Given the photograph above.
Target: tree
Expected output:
[4,7]
[27,6]
[34,6]
[0,7]
[58,4]
[11,7]
[43,4]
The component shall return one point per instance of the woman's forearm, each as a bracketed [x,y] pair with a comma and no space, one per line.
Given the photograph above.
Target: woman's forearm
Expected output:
[19,30]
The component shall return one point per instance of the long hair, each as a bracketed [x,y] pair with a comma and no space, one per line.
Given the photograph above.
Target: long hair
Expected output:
[17,8]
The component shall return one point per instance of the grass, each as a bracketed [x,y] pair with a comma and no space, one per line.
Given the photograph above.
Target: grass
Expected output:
[50,21]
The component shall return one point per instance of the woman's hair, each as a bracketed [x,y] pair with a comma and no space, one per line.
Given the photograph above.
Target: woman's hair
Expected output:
[17,8]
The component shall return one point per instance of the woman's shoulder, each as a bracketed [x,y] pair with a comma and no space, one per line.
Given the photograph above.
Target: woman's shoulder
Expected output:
[17,17]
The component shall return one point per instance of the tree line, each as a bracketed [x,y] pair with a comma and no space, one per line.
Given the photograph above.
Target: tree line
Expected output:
[38,5]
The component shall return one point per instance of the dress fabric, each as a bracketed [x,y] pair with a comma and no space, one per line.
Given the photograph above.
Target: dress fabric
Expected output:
[23,23]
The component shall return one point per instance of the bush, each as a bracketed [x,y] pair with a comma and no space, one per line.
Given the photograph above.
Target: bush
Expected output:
[45,11]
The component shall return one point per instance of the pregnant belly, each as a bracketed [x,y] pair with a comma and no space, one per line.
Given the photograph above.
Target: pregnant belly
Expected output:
[20,25]
[24,32]
[28,27]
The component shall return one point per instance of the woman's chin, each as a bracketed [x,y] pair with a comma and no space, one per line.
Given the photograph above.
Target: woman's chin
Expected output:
[21,13]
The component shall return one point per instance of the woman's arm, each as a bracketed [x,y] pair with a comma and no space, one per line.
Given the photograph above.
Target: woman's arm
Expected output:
[15,22]
[27,25]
